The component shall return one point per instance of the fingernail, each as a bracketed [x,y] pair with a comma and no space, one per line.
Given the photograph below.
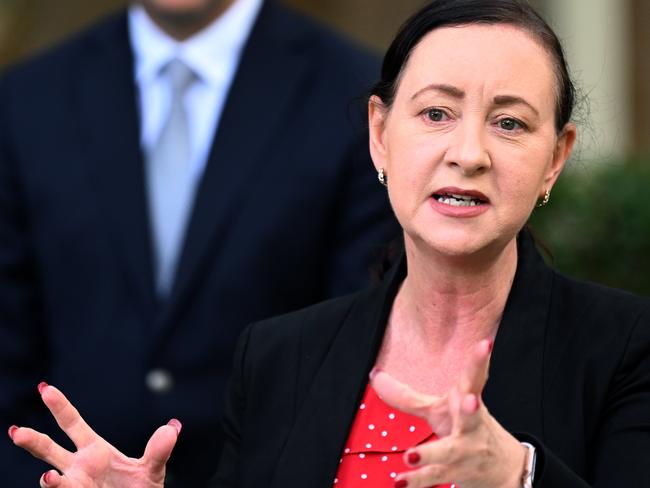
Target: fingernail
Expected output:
[413,458]
[401,484]
[374,372]
[46,477]
[490,346]
[176,424]
[41,386]
[12,431]
[472,403]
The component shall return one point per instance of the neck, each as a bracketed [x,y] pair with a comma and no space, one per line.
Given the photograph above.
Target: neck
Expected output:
[455,299]
[181,25]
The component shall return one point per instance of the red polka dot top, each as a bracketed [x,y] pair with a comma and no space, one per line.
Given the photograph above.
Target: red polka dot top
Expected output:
[374,452]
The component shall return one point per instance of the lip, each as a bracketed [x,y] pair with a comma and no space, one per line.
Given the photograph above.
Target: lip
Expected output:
[461,191]
[460,212]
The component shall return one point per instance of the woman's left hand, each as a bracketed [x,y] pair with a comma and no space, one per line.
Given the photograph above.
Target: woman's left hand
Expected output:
[473,449]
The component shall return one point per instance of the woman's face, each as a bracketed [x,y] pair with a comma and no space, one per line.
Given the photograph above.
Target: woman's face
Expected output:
[469,144]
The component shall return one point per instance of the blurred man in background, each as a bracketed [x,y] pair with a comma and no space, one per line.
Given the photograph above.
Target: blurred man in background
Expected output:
[172,174]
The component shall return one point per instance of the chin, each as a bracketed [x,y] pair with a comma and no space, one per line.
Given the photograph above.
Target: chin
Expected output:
[184,8]
[458,242]
[453,248]
[452,244]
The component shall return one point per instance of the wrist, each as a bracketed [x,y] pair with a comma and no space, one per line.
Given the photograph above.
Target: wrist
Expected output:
[517,473]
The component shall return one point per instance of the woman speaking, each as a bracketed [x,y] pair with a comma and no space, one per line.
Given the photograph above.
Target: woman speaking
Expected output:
[472,364]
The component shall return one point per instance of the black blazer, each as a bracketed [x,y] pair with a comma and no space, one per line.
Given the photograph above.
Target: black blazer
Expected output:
[570,372]
[288,213]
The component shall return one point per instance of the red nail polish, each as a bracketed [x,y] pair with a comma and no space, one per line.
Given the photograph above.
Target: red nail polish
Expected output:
[46,477]
[176,424]
[490,346]
[413,458]
[401,484]
[41,386]
[12,431]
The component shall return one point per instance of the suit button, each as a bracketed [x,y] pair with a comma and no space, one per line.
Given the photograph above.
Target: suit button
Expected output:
[159,381]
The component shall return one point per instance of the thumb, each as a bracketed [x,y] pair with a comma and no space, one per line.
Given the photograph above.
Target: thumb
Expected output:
[475,373]
[401,396]
[52,479]
[160,447]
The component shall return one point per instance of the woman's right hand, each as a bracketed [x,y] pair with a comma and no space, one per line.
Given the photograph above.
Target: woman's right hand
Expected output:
[96,463]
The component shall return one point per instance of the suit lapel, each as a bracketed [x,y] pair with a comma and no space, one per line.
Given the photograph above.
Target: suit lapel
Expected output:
[514,391]
[106,100]
[265,83]
[323,422]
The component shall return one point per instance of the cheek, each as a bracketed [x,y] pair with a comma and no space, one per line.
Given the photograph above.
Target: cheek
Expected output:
[521,177]
[410,166]
[412,158]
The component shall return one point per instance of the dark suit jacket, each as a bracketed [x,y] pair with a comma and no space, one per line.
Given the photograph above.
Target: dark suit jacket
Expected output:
[288,213]
[570,372]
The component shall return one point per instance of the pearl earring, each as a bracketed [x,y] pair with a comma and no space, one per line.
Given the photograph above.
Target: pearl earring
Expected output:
[381,176]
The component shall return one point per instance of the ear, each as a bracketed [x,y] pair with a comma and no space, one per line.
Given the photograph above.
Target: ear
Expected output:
[377,113]
[563,148]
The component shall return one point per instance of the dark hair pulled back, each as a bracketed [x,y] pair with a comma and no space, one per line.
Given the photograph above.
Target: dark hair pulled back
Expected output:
[449,13]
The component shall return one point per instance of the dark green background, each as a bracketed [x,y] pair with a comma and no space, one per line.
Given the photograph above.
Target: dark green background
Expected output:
[597,224]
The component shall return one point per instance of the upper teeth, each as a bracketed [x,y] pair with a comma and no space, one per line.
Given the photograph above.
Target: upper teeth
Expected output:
[458,200]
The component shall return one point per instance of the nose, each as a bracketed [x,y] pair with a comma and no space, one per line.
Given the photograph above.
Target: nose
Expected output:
[467,150]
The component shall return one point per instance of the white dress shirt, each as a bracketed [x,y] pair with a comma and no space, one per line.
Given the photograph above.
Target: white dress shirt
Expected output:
[213,54]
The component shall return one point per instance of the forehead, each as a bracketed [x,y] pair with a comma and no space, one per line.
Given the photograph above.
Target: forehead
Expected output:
[489,57]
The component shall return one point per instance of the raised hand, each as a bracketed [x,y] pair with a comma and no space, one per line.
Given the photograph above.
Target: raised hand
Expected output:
[473,449]
[96,463]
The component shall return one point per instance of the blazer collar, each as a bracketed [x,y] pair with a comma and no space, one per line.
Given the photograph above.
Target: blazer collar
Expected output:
[325,417]
[513,392]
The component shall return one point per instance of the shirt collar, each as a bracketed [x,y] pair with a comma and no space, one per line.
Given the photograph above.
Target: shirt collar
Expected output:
[209,52]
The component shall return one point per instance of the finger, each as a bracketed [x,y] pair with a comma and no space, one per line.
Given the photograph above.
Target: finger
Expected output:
[424,477]
[402,396]
[160,447]
[468,418]
[443,451]
[52,479]
[464,411]
[67,416]
[474,375]
[42,447]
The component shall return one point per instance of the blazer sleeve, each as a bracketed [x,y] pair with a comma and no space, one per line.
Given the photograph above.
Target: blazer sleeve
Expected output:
[23,352]
[621,451]
[227,475]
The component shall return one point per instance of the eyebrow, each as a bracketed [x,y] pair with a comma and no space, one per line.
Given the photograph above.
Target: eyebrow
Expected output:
[506,100]
[450,90]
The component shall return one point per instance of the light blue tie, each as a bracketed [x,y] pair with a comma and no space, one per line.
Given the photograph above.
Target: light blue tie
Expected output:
[170,185]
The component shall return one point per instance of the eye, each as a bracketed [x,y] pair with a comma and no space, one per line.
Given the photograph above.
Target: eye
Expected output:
[510,124]
[435,114]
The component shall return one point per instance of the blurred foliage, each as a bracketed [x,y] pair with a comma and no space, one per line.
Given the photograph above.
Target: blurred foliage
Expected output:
[597,225]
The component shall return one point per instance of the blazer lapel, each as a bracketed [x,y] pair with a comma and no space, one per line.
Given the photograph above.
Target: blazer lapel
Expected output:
[266,81]
[514,391]
[327,412]
[109,127]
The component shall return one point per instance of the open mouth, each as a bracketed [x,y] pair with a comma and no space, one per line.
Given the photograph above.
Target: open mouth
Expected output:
[458,200]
